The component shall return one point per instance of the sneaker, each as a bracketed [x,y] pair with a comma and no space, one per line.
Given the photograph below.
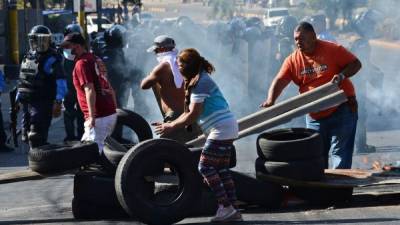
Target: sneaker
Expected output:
[237,217]
[224,214]
[5,148]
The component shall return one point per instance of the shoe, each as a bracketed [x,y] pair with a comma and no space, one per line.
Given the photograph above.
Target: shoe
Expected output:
[5,148]
[224,214]
[237,217]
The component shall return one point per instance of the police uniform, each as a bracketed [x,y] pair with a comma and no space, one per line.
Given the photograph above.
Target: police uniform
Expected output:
[41,83]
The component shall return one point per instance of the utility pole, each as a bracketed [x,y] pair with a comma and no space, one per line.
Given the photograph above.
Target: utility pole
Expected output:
[13,31]
[81,16]
[99,14]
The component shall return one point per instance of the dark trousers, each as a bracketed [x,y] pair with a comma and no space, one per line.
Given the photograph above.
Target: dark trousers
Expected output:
[73,113]
[36,121]
[3,136]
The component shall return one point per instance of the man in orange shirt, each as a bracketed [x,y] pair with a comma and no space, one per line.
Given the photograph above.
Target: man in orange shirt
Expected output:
[314,63]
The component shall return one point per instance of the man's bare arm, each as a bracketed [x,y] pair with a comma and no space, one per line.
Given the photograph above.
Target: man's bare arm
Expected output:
[154,76]
[90,94]
[352,68]
[275,90]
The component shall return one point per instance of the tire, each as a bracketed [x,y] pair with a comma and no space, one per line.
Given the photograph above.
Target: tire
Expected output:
[60,157]
[207,205]
[307,170]
[96,187]
[85,210]
[196,152]
[134,122]
[323,196]
[257,192]
[113,152]
[132,173]
[291,144]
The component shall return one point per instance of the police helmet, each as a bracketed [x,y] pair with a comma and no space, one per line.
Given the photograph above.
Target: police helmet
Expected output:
[318,22]
[286,26]
[365,22]
[73,27]
[361,48]
[236,26]
[97,45]
[252,33]
[39,38]
[114,37]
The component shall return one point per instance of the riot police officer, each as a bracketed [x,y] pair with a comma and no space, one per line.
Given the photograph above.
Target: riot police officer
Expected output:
[114,58]
[72,110]
[365,24]
[285,31]
[41,87]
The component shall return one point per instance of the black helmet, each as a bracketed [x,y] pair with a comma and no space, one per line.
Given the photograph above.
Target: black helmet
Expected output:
[365,22]
[114,37]
[39,38]
[286,26]
[251,34]
[236,27]
[318,22]
[97,45]
[361,48]
[40,29]
[73,27]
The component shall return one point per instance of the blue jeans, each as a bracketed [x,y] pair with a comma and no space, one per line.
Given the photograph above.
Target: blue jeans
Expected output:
[338,132]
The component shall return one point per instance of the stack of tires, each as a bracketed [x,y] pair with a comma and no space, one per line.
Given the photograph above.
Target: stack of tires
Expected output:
[298,154]
[94,190]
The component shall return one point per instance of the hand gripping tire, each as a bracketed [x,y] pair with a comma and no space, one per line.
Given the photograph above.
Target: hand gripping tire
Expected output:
[306,170]
[291,144]
[60,157]
[141,163]
[133,121]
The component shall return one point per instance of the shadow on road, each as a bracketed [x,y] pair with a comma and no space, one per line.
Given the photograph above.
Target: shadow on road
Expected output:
[338,221]
[39,221]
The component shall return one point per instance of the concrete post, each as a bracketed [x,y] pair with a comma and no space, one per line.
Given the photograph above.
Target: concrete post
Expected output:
[13,31]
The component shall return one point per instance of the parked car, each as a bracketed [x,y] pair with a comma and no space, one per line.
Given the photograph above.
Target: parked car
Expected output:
[273,15]
[92,23]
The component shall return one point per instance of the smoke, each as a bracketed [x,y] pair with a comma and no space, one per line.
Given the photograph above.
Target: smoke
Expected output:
[246,61]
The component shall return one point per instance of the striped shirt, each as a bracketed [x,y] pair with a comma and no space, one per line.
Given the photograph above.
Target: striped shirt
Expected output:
[216,120]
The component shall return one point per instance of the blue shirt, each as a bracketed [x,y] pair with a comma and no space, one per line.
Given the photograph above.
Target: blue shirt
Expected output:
[2,81]
[216,115]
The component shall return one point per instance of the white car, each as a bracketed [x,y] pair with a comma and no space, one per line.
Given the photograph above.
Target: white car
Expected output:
[273,15]
[92,23]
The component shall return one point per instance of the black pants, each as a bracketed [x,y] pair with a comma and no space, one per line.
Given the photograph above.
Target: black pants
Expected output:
[36,121]
[3,136]
[73,113]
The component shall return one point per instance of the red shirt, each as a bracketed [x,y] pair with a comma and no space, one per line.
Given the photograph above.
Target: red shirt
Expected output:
[313,70]
[86,70]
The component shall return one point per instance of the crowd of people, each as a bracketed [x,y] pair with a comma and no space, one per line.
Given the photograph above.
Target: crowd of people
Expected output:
[93,81]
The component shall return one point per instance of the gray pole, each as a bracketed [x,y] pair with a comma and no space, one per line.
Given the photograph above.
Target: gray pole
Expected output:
[99,14]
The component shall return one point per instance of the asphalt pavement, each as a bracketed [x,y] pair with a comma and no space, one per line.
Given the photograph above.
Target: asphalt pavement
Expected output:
[48,201]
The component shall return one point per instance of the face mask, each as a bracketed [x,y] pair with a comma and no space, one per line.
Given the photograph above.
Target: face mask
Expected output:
[68,54]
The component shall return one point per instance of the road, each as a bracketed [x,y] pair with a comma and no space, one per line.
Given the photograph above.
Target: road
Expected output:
[48,201]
